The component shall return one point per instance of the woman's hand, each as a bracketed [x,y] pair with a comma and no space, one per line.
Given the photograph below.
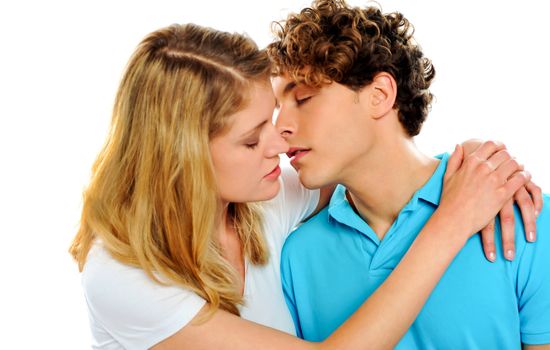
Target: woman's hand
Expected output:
[529,200]
[477,186]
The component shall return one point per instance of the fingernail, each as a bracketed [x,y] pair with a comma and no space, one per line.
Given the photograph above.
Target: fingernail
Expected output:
[531,236]
[492,256]
[509,254]
[536,213]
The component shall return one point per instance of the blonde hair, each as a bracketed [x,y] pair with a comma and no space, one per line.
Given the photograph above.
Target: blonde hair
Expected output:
[152,198]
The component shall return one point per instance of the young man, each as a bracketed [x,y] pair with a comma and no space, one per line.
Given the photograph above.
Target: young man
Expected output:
[353,91]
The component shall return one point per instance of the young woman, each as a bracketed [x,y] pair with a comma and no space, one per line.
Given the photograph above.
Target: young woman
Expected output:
[187,210]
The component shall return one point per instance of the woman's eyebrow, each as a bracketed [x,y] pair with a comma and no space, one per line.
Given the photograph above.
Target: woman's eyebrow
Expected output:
[251,131]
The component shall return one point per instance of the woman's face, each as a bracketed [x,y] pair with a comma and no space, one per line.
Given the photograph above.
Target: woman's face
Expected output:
[246,155]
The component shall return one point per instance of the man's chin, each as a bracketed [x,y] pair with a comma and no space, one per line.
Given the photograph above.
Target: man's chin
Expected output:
[310,182]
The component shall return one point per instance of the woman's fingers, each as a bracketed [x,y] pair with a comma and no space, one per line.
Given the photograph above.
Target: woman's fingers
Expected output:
[489,179]
[506,170]
[527,208]
[497,159]
[507,217]
[488,241]
[487,149]
[536,194]
[454,162]
[476,192]
[507,225]
[515,182]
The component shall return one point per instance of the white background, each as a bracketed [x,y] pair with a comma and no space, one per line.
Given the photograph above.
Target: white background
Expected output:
[60,63]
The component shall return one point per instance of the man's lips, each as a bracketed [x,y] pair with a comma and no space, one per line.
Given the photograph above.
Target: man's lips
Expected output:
[292,152]
[296,153]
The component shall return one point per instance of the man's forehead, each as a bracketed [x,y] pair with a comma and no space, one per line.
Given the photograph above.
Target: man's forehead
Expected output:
[284,84]
[279,82]
[281,86]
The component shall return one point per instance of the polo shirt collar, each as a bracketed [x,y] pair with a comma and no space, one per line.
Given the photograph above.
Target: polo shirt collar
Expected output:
[431,191]
[340,209]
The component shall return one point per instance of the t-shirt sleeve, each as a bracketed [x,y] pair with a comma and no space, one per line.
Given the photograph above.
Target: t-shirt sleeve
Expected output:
[294,202]
[533,282]
[133,309]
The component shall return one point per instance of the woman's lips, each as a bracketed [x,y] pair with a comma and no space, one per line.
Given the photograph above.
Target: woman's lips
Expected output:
[274,174]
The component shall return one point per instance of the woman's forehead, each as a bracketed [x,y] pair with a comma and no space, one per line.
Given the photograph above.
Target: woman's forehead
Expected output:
[259,108]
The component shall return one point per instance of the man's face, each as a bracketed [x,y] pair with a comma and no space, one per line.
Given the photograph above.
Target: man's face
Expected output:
[328,129]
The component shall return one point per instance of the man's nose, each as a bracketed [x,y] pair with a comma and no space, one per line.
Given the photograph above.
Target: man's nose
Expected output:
[285,123]
[277,144]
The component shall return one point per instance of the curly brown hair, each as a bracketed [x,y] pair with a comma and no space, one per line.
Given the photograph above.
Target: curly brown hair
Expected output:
[333,42]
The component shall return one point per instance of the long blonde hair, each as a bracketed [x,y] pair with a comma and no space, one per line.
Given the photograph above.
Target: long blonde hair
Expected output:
[152,198]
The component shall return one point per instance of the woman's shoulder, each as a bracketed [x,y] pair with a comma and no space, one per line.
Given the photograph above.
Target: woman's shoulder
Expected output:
[102,271]
[127,303]
[119,293]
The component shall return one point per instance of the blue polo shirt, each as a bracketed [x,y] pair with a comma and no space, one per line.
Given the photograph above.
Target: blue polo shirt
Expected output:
[335,261]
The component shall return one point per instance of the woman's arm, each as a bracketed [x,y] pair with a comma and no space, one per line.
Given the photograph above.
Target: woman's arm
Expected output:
[528,198]
[473,193]
[378,324]
[536,347]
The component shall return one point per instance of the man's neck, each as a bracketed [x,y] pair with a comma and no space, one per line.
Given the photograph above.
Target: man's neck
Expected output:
[382,183]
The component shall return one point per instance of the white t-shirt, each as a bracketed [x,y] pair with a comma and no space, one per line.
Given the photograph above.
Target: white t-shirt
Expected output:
[127,310]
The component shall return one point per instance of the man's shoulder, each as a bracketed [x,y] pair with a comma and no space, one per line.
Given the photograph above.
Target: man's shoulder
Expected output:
[543,224]
[545,212]
[527,252]
[309,234]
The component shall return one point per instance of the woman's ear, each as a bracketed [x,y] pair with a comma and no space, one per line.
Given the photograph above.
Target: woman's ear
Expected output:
[381,94]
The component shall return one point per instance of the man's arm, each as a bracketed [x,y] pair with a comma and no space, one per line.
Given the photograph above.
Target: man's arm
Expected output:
[536,347]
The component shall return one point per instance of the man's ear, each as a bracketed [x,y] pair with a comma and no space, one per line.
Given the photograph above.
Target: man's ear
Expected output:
[381,94]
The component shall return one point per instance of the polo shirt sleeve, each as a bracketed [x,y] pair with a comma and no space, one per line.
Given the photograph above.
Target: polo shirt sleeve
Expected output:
[533,282]
[133,310]
[288,289]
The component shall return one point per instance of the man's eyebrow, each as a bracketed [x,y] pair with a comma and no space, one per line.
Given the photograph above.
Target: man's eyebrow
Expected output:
[289,87]
[251,131]
[286,90]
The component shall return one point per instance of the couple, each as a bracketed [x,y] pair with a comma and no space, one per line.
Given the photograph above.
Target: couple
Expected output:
[187,210]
